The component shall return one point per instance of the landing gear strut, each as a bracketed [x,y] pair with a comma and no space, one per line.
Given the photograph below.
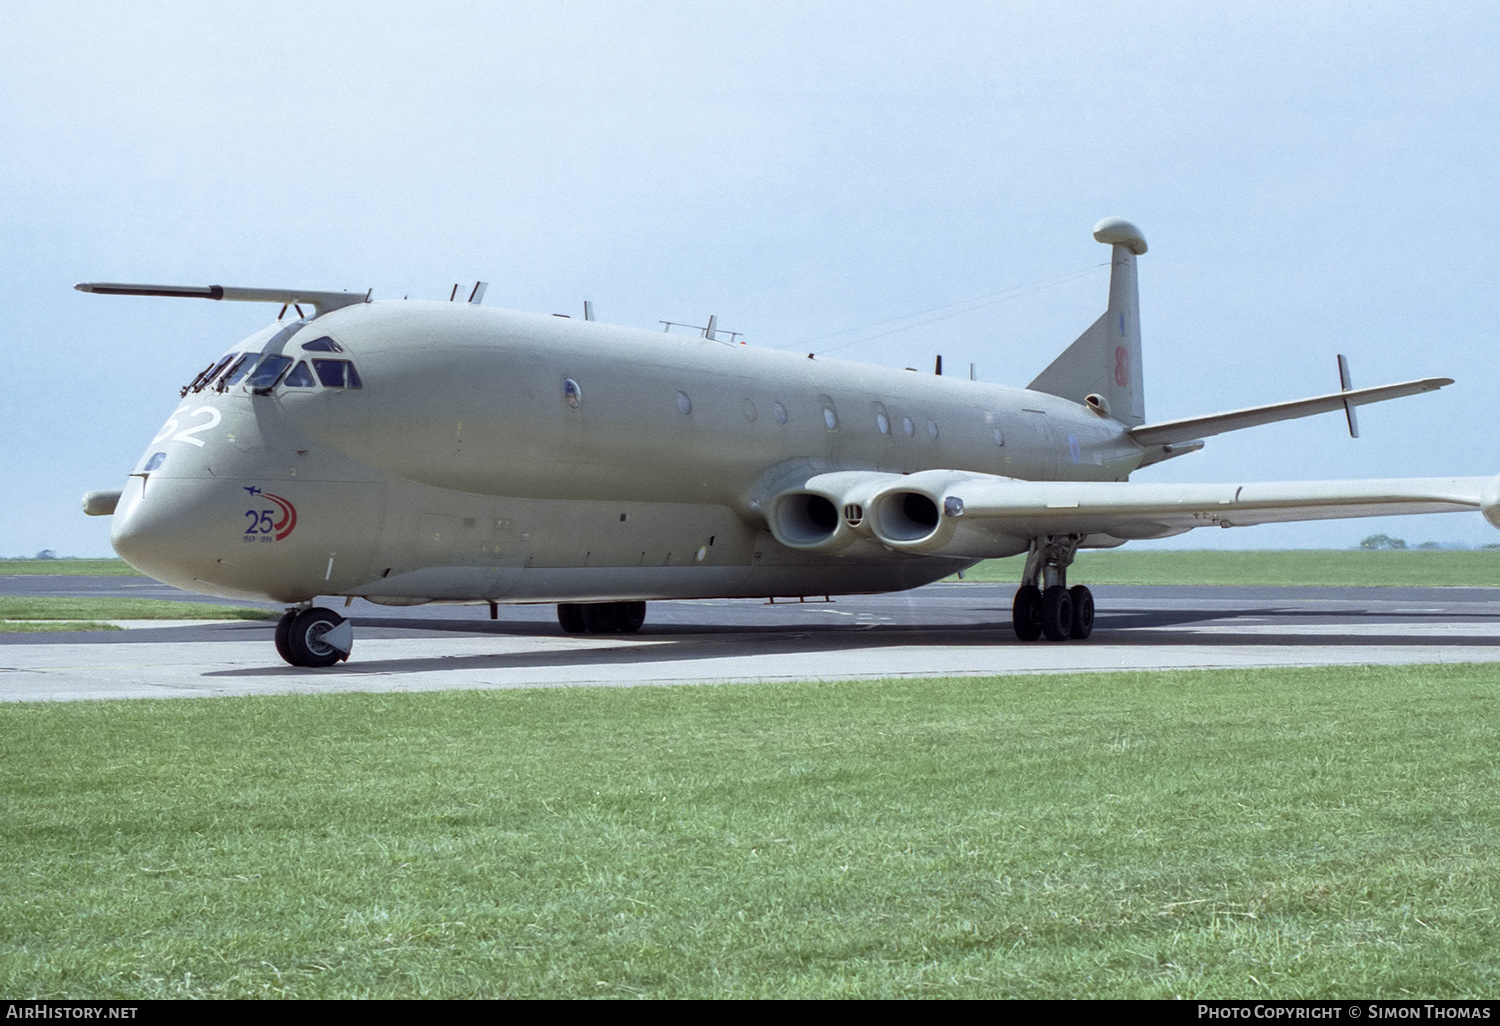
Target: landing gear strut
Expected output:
[601,617]
[314,637]
[1044,603]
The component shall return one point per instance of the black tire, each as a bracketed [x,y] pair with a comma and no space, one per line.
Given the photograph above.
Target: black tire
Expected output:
[1083,612]
[284,636]
[1057,613]
[570,617]
[632,615]
[304,638]
[602,617]
[1026,612]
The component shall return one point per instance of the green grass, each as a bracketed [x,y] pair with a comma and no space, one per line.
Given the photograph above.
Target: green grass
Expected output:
[1287,833]
[1328,568]
[27,607]
[53,626]
[87,567]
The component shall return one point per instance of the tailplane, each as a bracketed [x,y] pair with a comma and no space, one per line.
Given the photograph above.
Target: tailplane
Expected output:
[1102,368]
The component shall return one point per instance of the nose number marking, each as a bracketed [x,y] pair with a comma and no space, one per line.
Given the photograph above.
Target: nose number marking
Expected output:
[186,435]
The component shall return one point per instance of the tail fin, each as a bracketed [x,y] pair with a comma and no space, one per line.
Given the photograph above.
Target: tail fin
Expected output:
[1103,366]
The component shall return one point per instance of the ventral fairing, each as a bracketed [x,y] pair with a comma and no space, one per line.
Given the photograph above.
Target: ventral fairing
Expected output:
[407,452]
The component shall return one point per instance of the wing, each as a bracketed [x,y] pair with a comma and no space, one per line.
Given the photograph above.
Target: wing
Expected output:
[957,513]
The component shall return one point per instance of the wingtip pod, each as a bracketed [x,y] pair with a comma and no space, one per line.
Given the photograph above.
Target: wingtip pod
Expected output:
[1116,231]
[1489,501]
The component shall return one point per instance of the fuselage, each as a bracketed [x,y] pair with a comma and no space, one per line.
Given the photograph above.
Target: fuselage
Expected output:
[467,453]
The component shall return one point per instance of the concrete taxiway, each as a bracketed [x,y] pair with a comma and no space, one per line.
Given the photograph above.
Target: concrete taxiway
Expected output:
[941,630]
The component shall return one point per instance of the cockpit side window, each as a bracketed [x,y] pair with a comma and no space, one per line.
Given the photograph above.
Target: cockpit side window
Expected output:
[242,368]
[337,374]
[236,370]
[323,345]
[300,377]
[206,375]
[268,371]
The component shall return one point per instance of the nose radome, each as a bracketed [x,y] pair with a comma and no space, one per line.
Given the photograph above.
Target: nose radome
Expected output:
[163,528]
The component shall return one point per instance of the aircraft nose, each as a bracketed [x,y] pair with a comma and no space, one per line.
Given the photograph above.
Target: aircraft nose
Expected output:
[159,527]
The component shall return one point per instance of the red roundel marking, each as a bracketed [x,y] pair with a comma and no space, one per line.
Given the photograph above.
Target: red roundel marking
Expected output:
[288,521]
[1122,366]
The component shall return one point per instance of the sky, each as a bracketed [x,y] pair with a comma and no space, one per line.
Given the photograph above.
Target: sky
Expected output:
[877,181]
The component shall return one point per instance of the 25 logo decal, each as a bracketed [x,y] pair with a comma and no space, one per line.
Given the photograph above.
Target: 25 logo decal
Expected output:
[265,524]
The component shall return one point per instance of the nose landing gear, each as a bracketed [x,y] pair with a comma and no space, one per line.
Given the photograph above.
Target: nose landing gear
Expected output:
[1044,604]
[314,637]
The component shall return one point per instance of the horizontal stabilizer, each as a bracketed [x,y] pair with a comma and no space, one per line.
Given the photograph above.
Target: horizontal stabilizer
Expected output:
[321,302]
[1190,428]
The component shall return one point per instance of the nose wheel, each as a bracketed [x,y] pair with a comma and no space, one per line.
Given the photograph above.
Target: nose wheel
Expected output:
[314,637]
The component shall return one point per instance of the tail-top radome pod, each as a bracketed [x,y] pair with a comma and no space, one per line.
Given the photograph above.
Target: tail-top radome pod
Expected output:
[1102,368]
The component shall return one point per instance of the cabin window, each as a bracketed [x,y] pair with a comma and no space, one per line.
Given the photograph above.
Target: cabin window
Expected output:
[999,437]
[908,426]
[750,411]
[932,431]
[830,419]
[572,394]
[337,374]
[684,404]
[323,345]
[300,377]
[780,412]
[883,423]
[268,371]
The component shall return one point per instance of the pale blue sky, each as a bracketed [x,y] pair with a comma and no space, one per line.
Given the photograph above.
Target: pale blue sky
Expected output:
[1312,179]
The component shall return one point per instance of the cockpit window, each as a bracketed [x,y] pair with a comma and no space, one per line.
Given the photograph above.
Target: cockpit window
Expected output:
[323,345]
[268,371]
[156,460]
[337,373]
[300,377]
[237,370]
[206,375]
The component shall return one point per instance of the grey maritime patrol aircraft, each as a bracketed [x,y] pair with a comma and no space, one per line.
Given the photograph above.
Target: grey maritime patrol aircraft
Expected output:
[406,452]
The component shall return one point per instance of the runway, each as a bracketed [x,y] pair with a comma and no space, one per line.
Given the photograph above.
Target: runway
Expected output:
[949,629]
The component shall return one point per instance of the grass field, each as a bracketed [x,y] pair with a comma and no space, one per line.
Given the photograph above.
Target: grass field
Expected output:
[15,609]
[1312,567]
[82,567]
[1287,833]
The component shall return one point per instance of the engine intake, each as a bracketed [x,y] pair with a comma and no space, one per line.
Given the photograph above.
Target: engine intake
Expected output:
[904,517]
[805,520]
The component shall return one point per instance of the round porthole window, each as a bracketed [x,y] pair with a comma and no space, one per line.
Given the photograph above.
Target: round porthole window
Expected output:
[780,412]
[572,394]
[684,404]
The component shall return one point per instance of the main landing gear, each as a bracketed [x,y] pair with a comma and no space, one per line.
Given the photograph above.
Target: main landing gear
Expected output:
[314,637]
[601,617]
[1044,604]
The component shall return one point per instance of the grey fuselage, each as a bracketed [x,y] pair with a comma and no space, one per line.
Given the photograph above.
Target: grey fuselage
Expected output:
[512,457]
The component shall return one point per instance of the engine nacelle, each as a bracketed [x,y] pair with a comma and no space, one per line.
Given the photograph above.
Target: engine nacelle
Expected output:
[829,512]
[1489,502]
